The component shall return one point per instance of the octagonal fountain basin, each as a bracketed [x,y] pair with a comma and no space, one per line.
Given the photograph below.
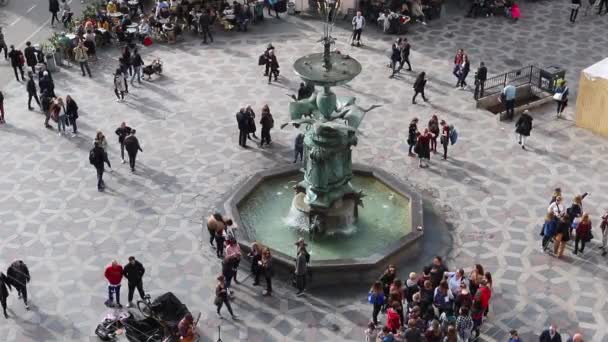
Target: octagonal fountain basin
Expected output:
[384,231]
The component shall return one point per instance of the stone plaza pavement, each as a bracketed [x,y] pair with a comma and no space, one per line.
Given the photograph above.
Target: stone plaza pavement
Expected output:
[494,193]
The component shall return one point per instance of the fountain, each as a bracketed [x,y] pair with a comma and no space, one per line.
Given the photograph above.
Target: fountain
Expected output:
[355,217]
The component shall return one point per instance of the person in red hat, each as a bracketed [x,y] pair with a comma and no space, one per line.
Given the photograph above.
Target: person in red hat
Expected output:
[113,274]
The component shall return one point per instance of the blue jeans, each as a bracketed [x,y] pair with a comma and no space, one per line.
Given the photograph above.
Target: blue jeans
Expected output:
[61,123]
[114,289]
[136,72]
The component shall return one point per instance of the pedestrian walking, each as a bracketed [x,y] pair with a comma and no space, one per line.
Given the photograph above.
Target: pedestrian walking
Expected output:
[32,93]
[134,272]
[465,67]
[458,59]
[81,56]
[583,233]
[3,44]
[1,108]
[298,147]
[574,7]
[358,25]
[122,132]
[263,59]
[242,120]
[119,86]
[523,127]
[419,85]
[133,147]
[250,122]
[395,57]
[204,24]
[54,8]
[71,112]
[267,123]
[221,297]
[97,158]
[412,136]
[18,275]
[45,105]
[267,270]
[46,84]
[228,266]
[137,62]
[5,286]
[301,269]
[272,65]
[17,61]
[561,97]
[445,137]
[100,138]
[30,56]
[405,54]
[507,96]
[126,58]
[601,6]
[113,274]
[480,80]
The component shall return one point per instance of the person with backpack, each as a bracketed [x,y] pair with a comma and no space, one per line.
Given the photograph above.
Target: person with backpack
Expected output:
[267,123]
[18,275]
[523,126]
[132,146]
[17,61]
[97,158]
[445,138]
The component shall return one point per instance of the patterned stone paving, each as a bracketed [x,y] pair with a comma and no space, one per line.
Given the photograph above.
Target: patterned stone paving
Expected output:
[52,216]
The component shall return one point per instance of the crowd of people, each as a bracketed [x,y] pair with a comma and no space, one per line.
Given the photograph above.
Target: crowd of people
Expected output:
[562,225]
[245,119]
[114,273]
[437,305]
[424,141]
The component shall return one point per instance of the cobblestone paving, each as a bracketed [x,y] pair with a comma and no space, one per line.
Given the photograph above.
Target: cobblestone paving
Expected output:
[52,216]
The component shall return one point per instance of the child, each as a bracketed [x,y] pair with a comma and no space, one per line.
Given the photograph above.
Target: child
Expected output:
[515,12]
[385,335]
[370,332]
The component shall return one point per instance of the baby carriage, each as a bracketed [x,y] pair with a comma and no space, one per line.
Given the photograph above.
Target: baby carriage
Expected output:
[155,68]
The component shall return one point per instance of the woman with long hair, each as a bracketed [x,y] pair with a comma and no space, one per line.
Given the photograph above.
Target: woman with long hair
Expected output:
[583,233]
[475,278]
[549,229]
[266,268]
[267,123]
[71,111]
[221,297]
[433,127]
[376,298]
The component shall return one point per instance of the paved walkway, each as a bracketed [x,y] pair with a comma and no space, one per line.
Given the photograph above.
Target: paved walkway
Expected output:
[52,216]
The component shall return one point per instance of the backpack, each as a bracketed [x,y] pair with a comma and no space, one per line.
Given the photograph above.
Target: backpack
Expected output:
[453,135]
[262,60]
[92,157]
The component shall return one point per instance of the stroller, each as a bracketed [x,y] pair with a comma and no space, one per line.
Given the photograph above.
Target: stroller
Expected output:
[155,68]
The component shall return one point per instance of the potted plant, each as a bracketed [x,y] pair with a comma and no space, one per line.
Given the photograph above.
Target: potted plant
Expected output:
[54,41]
[48,50]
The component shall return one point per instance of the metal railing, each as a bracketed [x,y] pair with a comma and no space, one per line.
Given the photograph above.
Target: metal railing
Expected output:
[539,79]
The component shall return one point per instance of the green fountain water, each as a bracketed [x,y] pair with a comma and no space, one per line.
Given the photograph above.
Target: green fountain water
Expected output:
[384,218]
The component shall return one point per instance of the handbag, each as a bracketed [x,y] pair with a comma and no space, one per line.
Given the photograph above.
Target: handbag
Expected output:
[558,96]
[217,301]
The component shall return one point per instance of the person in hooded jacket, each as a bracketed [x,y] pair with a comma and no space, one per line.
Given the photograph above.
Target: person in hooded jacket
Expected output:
[134,272]
[523,126]
[18,275]
[4,291]
[132,146]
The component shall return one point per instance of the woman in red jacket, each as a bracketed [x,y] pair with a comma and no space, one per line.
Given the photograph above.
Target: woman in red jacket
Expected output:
[583,233]
[393,321]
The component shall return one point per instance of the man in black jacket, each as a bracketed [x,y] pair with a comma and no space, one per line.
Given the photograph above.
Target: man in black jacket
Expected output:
[97,158]
[15,57]
[132,146]
[4,292]
[273,65]
[480,79]
[242,121]
[134,272]
[18,276]
[30,56]
[32,93]
[137,64]
[204,23]
[550,335]
[123,131]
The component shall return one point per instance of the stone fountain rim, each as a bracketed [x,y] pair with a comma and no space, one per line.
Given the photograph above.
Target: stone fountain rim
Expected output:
[354,264]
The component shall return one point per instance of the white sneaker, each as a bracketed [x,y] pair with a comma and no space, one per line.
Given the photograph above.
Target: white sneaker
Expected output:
[123,161]
[130,305]
[117,100]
